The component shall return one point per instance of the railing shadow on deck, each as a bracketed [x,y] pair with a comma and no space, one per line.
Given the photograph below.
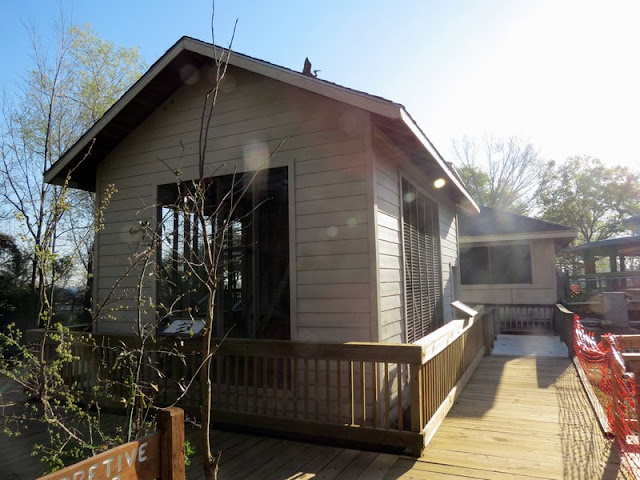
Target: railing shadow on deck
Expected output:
[366,394]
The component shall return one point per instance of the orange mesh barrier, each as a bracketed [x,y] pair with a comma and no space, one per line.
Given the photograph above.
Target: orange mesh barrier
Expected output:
[614,387]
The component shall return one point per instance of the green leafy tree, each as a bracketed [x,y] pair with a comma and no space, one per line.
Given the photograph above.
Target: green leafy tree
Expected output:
[75,77]
[593,198]
[500,173]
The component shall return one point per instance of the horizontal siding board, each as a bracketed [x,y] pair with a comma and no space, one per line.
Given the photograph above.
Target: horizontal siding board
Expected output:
[351,275]
[336,290]
[390,288]
[354,202]
[330,305]
[357,187]
[331,234]
[325,164]
[332,247]
[388,208]
[389,248]
[389,261]
[330,262]
[390,275]
[390,302]
[388,235]
[333,219]
[331,177]
[387,221]
[388,182]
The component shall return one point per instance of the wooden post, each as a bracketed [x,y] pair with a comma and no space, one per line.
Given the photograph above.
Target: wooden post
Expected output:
[171,427]
[417,403]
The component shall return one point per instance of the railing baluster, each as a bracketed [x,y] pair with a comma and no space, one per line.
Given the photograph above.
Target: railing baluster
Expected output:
[227,382]
[364,393]
[246,383]
[294,384]
[236,384]
[316,382]
[352,402]
[399,382]
[339,409]
[255,384]
[328,389]
[265,375]
[285,387]
[274,386]
[376,397]
[306,389]
[387,397]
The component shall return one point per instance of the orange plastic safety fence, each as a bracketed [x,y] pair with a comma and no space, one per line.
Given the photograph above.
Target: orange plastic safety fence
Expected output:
[614,387]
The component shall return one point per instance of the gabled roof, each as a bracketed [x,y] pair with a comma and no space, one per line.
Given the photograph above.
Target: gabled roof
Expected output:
[166,75]
[491,225]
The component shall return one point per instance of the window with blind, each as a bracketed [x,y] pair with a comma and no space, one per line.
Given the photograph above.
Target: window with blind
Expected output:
[500,264]
[422,266]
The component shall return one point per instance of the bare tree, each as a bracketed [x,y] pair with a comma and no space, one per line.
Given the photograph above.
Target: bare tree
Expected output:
[75,78]
[500,173]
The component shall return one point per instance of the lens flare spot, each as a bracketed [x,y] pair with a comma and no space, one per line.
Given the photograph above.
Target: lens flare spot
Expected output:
[255,155]
[332,232]
[409,197]
[352,222]
[189,74]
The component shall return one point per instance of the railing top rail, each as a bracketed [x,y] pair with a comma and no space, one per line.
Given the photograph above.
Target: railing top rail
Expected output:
[417,353]
[353,351]
[563,309]
[592,276]
[436,342]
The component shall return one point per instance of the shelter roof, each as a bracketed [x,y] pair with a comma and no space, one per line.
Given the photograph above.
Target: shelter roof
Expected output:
[494,225]
[628,246]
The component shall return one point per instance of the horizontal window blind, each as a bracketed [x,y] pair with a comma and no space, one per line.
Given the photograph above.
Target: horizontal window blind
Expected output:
[422,265]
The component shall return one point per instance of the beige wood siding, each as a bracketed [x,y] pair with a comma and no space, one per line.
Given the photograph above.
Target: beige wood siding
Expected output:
[449,256]
[324,148]
[390,165]
[389,241]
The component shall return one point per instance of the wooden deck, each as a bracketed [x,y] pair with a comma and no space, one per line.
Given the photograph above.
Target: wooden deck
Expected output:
[518,417]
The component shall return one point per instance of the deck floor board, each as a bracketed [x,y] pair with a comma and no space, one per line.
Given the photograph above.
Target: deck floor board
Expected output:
[518,418]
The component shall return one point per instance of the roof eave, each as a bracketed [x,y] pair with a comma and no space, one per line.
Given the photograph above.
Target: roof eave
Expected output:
[550,235]
[468,202]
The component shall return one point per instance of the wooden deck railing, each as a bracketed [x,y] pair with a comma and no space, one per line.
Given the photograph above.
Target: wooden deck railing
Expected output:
[515,318]
[369,393]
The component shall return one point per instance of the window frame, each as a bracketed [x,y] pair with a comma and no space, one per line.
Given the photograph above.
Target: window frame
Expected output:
[489,247]
[426,323]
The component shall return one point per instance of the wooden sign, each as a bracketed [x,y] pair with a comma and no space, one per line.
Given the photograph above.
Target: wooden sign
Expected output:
[160,455]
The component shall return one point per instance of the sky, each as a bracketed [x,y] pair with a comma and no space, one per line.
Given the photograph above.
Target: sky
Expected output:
[562,74]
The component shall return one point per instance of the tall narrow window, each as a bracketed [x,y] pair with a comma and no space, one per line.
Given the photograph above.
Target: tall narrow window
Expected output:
[422,266]
[253,280]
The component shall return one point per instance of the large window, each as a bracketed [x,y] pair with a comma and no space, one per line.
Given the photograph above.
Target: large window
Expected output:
[422,266]
[501,264]
[253,275]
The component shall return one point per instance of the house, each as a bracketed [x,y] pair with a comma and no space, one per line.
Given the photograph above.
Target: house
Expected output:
[509,260]
[349,232]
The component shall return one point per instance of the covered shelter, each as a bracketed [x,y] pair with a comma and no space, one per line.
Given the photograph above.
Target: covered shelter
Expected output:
[620,273]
